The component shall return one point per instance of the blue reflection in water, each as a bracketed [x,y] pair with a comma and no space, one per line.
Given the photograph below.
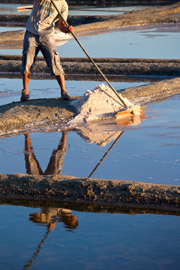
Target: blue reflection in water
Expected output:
[99,241]
[128,44]
[122,44]
[10,89]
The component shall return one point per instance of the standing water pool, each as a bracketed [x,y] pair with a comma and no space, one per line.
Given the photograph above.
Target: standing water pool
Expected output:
[87,240]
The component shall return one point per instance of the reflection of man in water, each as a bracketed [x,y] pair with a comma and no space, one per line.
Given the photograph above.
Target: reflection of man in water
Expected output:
[51,215]
[55,163]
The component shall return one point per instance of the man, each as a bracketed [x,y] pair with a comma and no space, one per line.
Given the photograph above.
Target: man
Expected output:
[39,36]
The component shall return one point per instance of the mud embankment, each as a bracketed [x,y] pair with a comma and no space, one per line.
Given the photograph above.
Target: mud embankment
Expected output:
[34,114]
[148,16]
[109,66]
[91,191]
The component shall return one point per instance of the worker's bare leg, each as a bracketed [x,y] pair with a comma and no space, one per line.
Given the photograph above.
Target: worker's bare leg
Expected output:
[25,91]
[26,78]
[61,81]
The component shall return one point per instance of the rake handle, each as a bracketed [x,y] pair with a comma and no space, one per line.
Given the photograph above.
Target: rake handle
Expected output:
[90,58]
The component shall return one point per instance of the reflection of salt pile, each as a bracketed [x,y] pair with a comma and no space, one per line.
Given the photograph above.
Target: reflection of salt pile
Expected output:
[104,131]
[100,133]
[101,103]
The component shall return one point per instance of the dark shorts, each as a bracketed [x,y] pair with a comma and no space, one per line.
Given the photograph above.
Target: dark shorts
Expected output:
[46,44]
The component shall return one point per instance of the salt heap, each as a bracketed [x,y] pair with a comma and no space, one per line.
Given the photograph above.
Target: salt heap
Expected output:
[100,103]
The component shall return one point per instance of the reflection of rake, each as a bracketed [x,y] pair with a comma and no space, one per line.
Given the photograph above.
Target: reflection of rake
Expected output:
[34,256]
[107,152]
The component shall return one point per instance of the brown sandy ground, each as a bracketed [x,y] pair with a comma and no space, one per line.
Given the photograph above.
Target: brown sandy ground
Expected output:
[92,191]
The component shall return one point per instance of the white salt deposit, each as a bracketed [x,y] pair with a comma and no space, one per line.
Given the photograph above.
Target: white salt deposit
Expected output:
[100,103]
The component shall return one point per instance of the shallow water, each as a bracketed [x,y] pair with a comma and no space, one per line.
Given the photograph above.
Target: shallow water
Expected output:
[99,240]
[10,89]
[128,44]
[137,43]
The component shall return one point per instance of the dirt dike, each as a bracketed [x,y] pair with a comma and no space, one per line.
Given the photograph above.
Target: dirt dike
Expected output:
[109,66]
[35,114]
[18,117]
[92,191]
[147,16]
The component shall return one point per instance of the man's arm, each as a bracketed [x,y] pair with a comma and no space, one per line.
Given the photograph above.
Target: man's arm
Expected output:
[63,28]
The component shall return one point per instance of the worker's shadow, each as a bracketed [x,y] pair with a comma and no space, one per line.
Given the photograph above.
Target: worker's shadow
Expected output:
[55,163]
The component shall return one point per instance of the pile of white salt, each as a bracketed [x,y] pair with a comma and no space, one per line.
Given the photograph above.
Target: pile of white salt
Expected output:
[98,104]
